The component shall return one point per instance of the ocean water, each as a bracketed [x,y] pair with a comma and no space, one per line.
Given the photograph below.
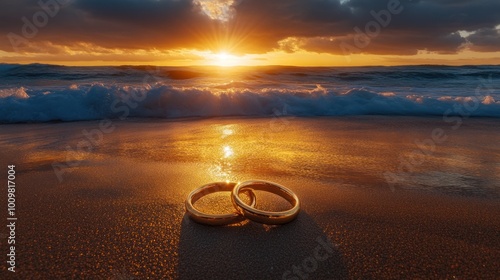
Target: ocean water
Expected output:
[42,93]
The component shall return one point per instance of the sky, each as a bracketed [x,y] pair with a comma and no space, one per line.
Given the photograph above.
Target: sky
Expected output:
[250,32]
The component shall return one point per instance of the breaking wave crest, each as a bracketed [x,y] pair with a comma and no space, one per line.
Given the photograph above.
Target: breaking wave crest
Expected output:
[99,101]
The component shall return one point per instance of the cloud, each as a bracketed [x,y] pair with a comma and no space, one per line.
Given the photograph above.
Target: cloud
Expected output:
[485,40]
[221,10]
[254,26]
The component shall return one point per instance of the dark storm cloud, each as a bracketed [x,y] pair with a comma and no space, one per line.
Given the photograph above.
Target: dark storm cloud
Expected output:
[485,40]
[110,23]
[258,25]
[422,25]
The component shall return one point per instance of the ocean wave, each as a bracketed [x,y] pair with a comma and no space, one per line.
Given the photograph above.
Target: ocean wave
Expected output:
[353,74]
[99,101]
[415,75]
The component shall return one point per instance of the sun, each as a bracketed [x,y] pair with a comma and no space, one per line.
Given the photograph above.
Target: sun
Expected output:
[225,59]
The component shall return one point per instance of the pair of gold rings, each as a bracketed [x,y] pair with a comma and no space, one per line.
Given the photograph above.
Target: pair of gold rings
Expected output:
[243,210]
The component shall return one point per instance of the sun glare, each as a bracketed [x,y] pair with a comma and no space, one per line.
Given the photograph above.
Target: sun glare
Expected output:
[228,151]
[225,59]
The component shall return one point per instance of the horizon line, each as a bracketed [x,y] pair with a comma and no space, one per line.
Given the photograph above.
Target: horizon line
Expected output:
[248,66]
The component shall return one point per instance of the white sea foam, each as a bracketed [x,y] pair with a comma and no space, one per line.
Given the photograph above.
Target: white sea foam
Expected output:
[19,93]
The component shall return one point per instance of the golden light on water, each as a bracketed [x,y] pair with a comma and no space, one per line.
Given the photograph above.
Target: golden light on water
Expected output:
[223,153]
[223,167]
[227,132]
[228,151]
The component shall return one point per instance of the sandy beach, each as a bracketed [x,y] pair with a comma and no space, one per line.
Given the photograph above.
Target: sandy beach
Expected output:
[371,126]
[110,205]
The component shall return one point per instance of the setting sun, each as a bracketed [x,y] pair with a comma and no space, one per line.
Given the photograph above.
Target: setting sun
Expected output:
[225,59]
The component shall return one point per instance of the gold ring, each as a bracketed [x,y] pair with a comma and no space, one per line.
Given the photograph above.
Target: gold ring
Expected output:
[266,217]
[214,219]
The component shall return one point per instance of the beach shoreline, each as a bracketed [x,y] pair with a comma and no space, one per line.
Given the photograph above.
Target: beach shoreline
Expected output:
[117,212]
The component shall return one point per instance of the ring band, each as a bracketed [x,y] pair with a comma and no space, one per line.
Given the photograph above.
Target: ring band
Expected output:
[214,219]
[266,217]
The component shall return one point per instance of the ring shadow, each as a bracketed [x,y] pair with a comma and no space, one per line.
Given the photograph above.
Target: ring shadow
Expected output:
[297,250]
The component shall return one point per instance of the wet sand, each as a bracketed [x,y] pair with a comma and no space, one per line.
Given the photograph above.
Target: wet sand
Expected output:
[118,211]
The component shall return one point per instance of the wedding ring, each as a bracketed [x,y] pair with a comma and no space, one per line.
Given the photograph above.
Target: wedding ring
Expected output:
[265,217]
[214,219]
